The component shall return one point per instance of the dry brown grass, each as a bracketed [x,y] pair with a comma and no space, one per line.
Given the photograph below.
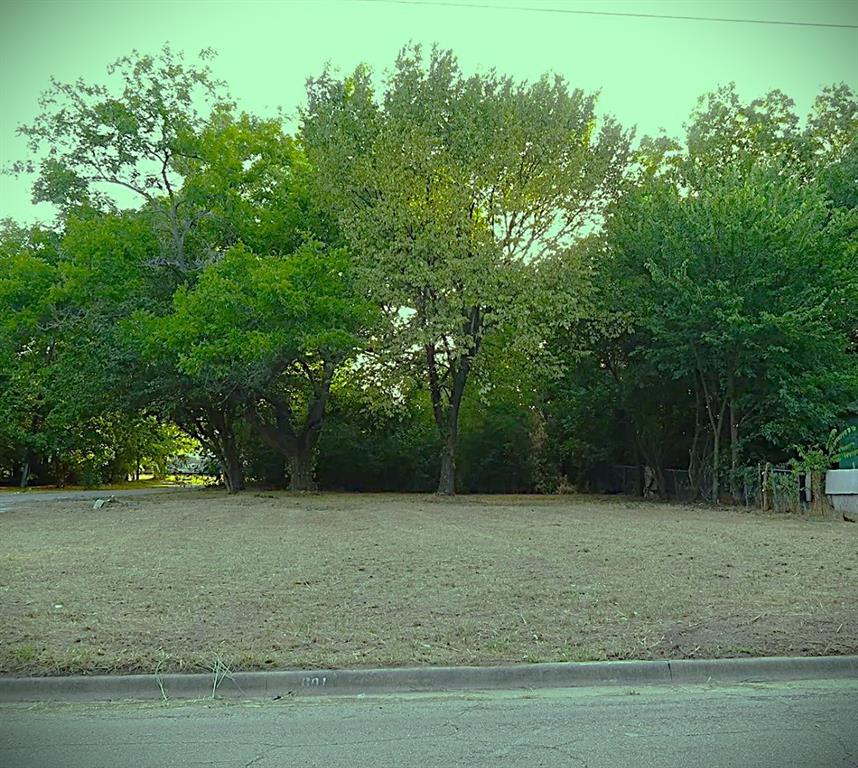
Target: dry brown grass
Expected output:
[278,581]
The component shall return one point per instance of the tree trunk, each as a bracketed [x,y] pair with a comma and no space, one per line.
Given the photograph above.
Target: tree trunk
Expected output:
[640,480]
[448,427]
[457,376]
[648,459]
[233,478]
[640,461]
[447,477]
[233,474]
[660,479]
[734,456]
[301,466]
[61,474]
[734,439]
[277,428]
[25,472]
[717,423]
[693,479]
[716,465]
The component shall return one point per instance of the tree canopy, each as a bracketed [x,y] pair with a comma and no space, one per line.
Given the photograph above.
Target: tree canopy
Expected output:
[440,280]
[450,187]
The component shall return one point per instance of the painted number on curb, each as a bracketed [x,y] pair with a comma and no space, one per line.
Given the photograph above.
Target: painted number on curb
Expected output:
[313,682]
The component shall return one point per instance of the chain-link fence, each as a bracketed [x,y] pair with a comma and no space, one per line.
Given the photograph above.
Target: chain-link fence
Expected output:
[677,484]
[778,489]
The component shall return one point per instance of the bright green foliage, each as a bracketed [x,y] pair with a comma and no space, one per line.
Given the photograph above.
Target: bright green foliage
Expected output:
[840,447]
[832,144]
[101,139]
[725,287]
[164,135]
[262,336]
[745,291]
[250,317]
[832,126]
[211,183]
[28,274]
[256,185]
[105,266]
[28,270]
[726,134]
[63,372]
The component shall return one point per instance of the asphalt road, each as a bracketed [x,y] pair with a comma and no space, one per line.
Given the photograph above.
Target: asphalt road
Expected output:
[800,725]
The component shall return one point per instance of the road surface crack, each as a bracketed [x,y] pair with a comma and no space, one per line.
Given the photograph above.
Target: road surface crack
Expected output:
[562,749]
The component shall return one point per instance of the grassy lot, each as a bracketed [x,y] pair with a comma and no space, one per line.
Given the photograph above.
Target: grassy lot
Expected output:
[187,581]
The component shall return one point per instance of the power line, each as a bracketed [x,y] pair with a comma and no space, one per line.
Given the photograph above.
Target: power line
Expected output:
[611,13]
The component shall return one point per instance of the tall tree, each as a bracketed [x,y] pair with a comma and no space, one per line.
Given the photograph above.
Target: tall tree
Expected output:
[743,289]
[725,133]
[28,277]
[267,334]
[447,185]
[64,383]
[129,142]
[831,144]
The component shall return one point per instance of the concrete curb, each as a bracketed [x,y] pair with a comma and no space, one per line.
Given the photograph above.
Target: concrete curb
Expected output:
[349,682]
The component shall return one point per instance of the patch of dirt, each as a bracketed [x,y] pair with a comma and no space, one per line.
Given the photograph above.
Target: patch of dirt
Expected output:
[260,581]
[783,635]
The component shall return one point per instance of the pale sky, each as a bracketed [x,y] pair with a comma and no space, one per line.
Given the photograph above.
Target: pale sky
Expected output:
[650,71]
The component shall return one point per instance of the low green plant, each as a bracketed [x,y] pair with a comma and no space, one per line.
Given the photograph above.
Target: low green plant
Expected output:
[26,653]
[820,458]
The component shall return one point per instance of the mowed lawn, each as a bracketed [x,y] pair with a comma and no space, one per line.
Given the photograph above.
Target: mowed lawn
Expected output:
[188,581]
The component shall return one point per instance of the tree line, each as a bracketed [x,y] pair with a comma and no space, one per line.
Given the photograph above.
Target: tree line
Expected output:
[437,281]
